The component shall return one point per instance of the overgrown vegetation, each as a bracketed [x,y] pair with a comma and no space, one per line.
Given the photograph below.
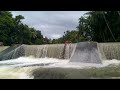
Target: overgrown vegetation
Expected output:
[101,26]
[13,31]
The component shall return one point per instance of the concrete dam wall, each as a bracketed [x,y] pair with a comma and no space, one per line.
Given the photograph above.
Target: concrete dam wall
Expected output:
[85,52]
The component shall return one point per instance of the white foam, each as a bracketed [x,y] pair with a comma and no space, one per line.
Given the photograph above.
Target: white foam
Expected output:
[113,61]
[14,73]
[14,68]
[31,61]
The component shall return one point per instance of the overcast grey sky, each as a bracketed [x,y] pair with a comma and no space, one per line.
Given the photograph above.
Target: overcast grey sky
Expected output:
[52,24]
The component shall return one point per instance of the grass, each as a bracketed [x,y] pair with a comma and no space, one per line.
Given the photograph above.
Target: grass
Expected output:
[108,72]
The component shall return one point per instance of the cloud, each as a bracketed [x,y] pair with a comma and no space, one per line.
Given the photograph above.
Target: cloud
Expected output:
[52,24]
[55,36]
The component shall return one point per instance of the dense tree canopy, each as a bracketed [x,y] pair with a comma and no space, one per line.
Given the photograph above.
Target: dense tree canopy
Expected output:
[102,26]
[71,36]
[13,31]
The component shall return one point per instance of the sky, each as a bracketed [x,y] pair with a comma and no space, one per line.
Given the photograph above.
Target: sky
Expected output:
[52,24]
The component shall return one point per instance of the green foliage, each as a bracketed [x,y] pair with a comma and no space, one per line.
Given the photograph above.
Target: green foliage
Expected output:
[71,36]
[103,26]
[13,31]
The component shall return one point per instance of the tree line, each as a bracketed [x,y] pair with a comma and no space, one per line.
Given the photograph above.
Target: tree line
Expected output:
[13,31]
[101,26]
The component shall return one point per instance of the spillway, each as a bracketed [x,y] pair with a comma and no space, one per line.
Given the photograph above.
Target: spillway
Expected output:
[85,52]
[38,51]
[109,51]
[15,61]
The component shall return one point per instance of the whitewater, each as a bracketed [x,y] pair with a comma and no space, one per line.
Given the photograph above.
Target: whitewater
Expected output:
[20,62]
[21,68]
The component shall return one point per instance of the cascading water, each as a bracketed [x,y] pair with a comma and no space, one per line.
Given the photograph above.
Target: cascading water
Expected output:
[38,51]
[55,51]
[109,51]
[51,51]
[60,51]
[69,50]
[80,55]
[86,52]
[12,52]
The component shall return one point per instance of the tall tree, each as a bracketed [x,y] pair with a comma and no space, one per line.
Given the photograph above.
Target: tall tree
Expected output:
[102,25]
[13,31]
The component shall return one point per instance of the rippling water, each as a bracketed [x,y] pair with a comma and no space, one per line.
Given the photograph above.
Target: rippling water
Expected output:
[22,67]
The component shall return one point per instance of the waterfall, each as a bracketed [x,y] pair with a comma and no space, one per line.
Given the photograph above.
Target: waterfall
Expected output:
[15,61]
[12,52]
[109,51]
[35,50]
[86,52]
[38,51]
[69,50]
[55,51]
